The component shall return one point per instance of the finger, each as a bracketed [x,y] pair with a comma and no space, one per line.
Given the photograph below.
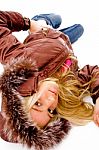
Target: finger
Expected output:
[95,119]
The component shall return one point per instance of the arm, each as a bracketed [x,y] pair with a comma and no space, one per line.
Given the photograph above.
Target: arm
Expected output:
[90,74]
[14,21]
[9,45]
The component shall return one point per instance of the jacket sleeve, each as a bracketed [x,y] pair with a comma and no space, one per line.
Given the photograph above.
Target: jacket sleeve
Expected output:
[10,22]
[90,73]
[14,21]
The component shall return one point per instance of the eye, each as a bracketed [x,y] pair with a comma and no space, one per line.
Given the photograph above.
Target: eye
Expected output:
[50,111]
[53,112]
[38,103]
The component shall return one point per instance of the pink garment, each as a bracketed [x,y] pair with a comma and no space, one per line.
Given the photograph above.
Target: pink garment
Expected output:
[66,65]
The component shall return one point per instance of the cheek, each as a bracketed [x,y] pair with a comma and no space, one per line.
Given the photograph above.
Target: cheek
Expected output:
[41,118]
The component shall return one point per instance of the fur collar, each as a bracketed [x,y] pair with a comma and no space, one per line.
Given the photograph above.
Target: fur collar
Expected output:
[17,121]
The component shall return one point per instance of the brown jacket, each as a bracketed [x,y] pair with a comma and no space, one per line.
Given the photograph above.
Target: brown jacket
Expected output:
[44,48]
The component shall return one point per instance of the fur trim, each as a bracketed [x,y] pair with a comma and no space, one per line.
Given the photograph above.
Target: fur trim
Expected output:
[17,119]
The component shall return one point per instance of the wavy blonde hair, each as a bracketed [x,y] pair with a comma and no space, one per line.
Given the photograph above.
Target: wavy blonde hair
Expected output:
[71,104]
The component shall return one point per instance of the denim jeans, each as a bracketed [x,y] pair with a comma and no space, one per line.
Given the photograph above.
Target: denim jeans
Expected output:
[74,32]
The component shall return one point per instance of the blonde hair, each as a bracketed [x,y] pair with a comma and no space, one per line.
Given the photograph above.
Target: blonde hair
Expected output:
[71,104]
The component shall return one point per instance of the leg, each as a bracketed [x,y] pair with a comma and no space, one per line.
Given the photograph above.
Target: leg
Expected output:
[74,32]
[51,19]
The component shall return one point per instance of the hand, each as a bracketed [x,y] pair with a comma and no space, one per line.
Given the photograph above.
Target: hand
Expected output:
[96,113]
[37,25]
[34,26]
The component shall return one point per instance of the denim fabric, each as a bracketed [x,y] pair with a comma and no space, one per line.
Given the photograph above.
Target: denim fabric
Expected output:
[74,32]
[51,19]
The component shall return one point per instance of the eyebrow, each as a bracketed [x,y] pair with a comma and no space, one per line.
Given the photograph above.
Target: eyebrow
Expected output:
[37,109]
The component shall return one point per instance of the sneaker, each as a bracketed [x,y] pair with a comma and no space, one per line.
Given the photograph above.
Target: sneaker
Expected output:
[51,19]
[74,32]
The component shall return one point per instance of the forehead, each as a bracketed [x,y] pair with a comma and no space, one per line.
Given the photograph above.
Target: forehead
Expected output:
[48,79]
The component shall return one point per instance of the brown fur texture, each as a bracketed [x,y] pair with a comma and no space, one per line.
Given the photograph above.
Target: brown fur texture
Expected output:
[17,122]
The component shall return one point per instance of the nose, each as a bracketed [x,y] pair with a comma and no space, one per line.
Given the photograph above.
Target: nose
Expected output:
[49,102]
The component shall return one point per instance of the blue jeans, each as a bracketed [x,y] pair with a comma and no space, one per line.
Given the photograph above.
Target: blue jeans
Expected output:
[74,32]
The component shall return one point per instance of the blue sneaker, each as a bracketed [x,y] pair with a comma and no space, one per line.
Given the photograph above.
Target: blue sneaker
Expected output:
[51,19]
[74,32]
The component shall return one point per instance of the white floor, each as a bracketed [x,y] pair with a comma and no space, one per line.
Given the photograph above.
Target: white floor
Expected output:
[86,49]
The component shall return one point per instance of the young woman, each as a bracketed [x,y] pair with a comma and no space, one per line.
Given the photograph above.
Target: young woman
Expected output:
[42,87]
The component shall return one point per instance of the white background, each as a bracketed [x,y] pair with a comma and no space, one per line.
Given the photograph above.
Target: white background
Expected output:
[85,12]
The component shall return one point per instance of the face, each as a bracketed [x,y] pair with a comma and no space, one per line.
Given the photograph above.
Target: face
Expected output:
[45,107]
